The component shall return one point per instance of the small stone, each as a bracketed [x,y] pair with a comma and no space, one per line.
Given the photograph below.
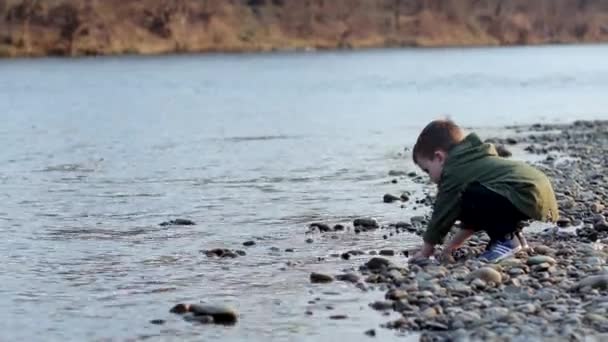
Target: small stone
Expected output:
[396,173]
[377,263]
[597,208]
[371,333]
[309,313]
[178,222]
[516,271]
[382,305]
[405,197]
[527,308]
[394,181]
[601,226]
[240,252]
[180,309]
[594,282]
[487,274]
[541,267]
[158,321]
[388,198]
[289,250]
[429,313]
[544,250]
[320,278]
[503,151]
[220,314]
[387,252]
[248,243]
[345,256]
[396,294]
[384,237]
[338,317]
[348,277]
[368,223]
[539,259]
[338,227]
[322,227]
[309,240]
[563,222]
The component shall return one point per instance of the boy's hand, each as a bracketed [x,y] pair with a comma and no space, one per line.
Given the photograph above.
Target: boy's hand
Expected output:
[425,252]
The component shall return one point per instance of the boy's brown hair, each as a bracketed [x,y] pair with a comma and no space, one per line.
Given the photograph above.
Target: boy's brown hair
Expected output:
[441,135]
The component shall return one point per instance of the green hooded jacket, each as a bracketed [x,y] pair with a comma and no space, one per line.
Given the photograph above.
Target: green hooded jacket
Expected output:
[471,160]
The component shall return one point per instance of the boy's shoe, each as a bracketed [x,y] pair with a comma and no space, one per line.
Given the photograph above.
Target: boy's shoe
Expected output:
[500,249]
[522,241]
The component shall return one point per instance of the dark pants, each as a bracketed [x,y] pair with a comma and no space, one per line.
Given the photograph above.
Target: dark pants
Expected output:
[484,209]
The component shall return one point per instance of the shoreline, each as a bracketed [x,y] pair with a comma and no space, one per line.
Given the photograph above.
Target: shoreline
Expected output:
[557,289]
[296,51]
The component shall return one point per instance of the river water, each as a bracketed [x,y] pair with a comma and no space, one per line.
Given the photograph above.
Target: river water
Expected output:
[96,152]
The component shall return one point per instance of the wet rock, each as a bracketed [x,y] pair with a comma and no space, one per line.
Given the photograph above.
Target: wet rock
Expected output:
[403,225]
[601,226]
[289,250]
[396,173]
[345,256]
[387,252]
[348,277]
[377,264]
[487,274]
[404,197]
[382,305]
[541,259]
[240,252]
[394,181]
[563,222]
[220,253]
[157,321]
[511,141]
[503,151]
[309,240]
[248,243]
[367,223]
[336,317]
[370,332]
[322,227]
[275,249]
[388,198]
[320,278]
[219,314]
[396,294]
[178,222]
[338,227]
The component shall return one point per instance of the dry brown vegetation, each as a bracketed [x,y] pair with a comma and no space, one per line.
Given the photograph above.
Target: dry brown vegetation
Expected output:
[90,27]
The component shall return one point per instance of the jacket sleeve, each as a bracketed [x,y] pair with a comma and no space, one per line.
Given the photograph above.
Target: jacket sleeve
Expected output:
[445,212]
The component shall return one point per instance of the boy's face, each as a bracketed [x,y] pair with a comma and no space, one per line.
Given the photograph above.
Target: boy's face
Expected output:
[433,167]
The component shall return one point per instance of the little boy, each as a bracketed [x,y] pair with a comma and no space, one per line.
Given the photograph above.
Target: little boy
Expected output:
[482,190]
